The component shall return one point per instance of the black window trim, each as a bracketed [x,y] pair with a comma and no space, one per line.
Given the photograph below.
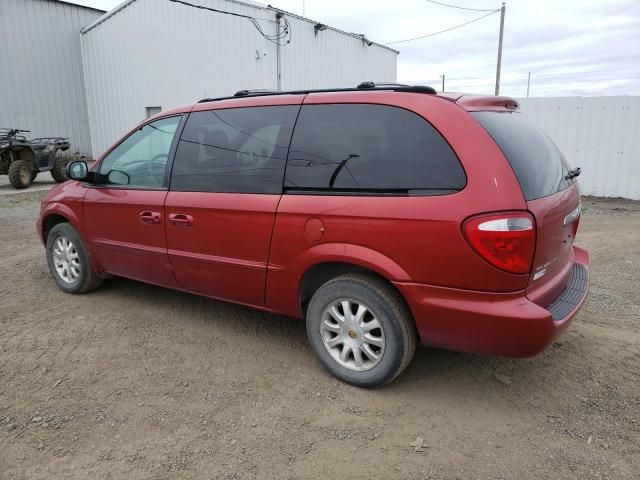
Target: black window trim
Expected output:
[167,170]
[370,192]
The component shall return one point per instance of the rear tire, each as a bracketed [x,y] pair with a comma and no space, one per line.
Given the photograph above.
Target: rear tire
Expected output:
[34,174]
[20,174]
[58,171]
[379,343]
[69,262]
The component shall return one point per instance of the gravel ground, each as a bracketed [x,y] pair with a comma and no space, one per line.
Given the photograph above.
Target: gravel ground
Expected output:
[43,181]
[135,381]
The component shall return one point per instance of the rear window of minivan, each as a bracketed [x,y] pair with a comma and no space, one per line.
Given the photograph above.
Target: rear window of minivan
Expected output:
[369,149]
[538,164]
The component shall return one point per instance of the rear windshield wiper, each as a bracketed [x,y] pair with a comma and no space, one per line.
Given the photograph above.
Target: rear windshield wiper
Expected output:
[573,173]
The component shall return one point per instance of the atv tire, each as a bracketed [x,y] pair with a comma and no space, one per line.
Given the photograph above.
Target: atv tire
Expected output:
[20,174]
[58,171]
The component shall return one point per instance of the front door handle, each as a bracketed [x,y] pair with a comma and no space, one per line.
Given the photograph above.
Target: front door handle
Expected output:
[149,217]
[180,220]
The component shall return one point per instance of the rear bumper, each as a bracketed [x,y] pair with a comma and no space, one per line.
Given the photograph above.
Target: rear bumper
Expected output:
[505,324]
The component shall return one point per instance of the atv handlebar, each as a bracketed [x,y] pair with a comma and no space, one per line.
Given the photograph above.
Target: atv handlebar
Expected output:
[13,131]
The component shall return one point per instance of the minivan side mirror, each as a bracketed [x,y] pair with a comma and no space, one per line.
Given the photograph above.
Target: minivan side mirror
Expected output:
[117,177]
[77,170]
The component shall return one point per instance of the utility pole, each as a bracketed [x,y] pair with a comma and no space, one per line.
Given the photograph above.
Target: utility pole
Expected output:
[442,77]
[303,8]
[528,83]
[502,10]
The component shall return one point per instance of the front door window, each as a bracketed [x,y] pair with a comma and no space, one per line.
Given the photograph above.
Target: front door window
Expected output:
[140,160]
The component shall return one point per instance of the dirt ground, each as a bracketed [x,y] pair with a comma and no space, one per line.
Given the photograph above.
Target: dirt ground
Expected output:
[44,181]
[135,381]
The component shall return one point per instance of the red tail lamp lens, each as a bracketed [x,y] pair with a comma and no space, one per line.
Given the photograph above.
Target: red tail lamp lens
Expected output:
[506,241]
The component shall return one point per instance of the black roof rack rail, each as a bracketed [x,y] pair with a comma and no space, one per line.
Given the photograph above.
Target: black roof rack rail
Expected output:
[247,93]
[403,87]
[395,87]
[383,84]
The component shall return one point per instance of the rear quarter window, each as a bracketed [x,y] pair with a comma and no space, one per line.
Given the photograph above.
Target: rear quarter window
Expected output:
[538,164]
[361,148]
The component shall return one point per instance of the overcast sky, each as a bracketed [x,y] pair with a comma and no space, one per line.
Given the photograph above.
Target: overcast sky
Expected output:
[571,47]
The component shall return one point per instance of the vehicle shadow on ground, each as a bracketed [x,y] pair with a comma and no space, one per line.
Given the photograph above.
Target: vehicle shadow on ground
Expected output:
[231,317]
[462,375]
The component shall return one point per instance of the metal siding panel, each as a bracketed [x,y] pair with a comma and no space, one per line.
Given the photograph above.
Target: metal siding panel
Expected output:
[162,53]
[45,92]
[179,66]
[332,59]
[599,134]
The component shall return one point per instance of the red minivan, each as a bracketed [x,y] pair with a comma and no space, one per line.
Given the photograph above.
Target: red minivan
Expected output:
[385,215]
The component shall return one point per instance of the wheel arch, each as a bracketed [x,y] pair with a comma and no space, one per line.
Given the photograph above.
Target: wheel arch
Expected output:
[320,273]
[318,264]
[55,214]
[51,221]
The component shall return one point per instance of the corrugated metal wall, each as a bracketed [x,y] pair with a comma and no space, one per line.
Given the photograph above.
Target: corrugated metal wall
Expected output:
[41,87]
[332,59]
[599,134]
[164,54]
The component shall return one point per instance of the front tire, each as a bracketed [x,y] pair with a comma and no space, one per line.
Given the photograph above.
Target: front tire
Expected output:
[361,330]
[20,174]
[69,262]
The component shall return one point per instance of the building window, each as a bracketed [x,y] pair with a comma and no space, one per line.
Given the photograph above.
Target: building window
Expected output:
[151,111]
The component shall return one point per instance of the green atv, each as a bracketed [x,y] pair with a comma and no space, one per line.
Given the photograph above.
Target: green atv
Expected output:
[23,159]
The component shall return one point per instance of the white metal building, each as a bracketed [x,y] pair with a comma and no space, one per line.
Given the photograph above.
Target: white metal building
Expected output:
[41,86]
[599,134]
[78,72]
[150,54]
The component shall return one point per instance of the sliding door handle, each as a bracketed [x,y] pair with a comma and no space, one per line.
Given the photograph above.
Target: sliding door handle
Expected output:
[180,220]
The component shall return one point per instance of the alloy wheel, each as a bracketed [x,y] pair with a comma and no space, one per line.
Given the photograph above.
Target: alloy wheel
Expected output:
[352,334]
[66,260]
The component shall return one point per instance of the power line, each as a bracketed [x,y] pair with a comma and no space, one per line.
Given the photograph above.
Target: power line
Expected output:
[592,75]
[459,85]
[474,76]
[276,38]
[459,8]
[436,33]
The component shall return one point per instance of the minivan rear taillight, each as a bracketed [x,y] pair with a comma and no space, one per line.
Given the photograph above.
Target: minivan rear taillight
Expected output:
[505,240]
